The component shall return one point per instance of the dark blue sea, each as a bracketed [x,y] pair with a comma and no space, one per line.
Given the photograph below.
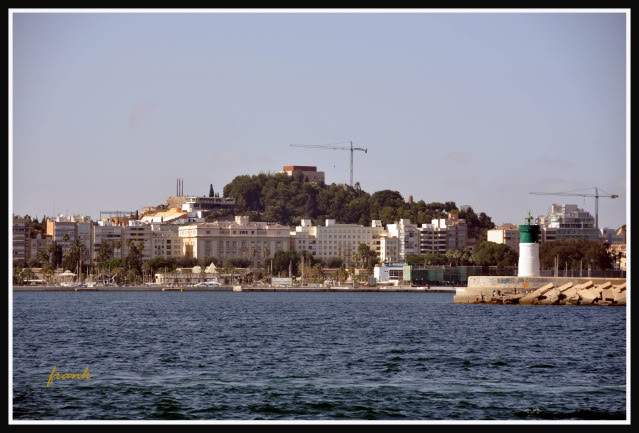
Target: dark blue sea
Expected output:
[313,356]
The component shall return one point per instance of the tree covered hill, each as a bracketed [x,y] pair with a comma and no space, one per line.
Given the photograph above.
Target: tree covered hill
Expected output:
[289,199]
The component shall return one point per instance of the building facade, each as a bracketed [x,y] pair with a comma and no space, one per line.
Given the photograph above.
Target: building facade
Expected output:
[567,221]
[255,241]
[139,234]
[341,240]
[105,232]
[442,235]
[507,234]
[21,240]
[408,235]
[310,173]
[165,241]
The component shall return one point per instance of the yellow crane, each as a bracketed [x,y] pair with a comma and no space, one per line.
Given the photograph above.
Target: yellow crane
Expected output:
[576,193]
[332,146]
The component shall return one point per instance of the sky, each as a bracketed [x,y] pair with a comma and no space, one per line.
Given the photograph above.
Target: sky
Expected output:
[109,109]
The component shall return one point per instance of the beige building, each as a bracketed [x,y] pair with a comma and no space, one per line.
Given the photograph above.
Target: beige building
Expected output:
[507,234]
[255,241]
[165,241]
[163,216]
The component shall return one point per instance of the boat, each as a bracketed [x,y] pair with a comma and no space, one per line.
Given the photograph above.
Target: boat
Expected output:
[209,283]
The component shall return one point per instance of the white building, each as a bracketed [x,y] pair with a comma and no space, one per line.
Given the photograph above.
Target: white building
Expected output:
[336,240]
[567,221]
[408,235]
[389,272]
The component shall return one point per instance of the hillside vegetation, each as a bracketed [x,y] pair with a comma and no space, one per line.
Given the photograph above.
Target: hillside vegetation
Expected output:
[288,199]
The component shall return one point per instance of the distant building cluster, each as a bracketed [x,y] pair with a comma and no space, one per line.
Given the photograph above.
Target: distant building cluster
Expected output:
[179,228]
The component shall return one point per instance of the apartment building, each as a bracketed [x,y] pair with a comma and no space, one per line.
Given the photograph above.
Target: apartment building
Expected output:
[140,235]
[38,243]
[388,248]
[63,230]
[456,231]
[165,241]
[109,233]
[340,240]
[240,238]
[567,221]
[408,235]
[21,239]
[507,234]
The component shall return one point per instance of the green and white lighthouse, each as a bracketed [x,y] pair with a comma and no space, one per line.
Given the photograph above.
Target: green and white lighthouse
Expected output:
[529,249]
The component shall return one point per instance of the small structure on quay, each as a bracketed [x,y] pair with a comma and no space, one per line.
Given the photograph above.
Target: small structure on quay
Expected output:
[530,288]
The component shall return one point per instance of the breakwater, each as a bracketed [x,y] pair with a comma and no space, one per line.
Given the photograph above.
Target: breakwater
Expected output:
[543,291]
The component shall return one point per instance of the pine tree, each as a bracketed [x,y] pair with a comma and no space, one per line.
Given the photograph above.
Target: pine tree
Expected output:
[211,192]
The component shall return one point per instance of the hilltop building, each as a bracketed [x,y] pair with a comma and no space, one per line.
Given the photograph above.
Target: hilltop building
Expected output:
[310,173]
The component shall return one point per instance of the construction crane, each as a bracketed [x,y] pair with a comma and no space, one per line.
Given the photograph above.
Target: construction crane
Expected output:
[332,147]
[575,193]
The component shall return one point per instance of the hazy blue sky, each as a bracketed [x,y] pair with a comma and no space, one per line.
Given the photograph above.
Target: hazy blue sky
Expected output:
[109,109]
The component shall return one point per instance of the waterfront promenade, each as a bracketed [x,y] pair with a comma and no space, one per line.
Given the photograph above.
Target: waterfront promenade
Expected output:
[382,289]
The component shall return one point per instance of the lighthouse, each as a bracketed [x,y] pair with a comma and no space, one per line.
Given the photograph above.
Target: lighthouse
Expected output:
[528,249]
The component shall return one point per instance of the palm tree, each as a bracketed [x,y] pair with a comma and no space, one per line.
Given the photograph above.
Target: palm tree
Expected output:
[146,269]
[357,257]
[267,254]
[47,272]
[254,254]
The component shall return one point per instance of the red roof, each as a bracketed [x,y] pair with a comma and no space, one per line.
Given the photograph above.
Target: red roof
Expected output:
[299,168]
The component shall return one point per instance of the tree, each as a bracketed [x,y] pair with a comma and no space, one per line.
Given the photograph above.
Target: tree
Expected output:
[133,260]
[576,253]
[47,272]
[211,192]
[493,254]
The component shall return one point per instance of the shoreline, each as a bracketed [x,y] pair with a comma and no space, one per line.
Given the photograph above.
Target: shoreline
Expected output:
[385,289]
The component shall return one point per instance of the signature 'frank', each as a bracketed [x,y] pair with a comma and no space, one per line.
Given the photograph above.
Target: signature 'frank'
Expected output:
[54,375]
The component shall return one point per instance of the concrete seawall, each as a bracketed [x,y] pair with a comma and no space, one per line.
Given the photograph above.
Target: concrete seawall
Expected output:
[543,291]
